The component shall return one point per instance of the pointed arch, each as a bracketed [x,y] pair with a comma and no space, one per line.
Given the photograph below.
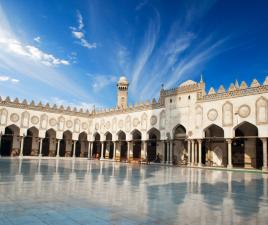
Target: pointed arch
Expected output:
[49,144]
[179,132]
[31,142]
[10,143]
[213,130]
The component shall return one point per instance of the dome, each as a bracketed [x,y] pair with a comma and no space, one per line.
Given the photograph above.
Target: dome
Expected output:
[123,80]
[188,82]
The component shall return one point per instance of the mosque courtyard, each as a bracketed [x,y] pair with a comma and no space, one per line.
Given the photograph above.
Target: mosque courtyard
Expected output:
[80,191]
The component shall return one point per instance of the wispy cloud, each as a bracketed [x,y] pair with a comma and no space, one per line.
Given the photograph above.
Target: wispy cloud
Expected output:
[181,55]
[37,39]
[100,81]
[4,78]
[27,60]
[14,46]
[141,5]
[79,34]
[145,52]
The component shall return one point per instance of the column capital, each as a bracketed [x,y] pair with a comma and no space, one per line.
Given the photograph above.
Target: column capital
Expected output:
[263,139]
[229,140]
[199,141]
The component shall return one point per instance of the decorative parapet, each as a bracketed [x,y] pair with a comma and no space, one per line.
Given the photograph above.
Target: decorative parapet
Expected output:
[236,91]
[73,111]
[182,89]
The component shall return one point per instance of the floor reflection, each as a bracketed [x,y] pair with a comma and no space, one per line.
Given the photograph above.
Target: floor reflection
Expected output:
[93,192]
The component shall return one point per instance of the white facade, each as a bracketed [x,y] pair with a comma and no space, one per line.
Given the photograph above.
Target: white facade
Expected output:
[185,124]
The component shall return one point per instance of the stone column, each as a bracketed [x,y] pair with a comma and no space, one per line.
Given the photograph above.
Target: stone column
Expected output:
[200,152]
[89,151]
[192,157]
[102,149]
[58,148]
[40,147]
[264,149]
[114,153]
[0,143]
[168,151]
[188,151]
[21,146]
[128,150]
[144,150]
[74,149]
[163,151]
[230,164]
[171,153]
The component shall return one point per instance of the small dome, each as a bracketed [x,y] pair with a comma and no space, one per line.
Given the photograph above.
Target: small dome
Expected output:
[188,82]
[123,80]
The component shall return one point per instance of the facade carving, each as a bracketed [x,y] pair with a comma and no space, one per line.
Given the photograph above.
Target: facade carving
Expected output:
[181,117]
[227,112]
[244,111]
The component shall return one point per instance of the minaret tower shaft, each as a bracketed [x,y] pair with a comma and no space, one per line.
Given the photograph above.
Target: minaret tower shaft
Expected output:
[122,92]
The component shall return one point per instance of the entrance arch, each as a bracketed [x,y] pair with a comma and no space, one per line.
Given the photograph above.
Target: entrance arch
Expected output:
[154,137]
[96,152]
[179,143]
[214,147]
[81,148]
[66,144]
[122,145]
[247,147]
[10,142]
[136,140]
[49,143]
[31,142]
[108,146]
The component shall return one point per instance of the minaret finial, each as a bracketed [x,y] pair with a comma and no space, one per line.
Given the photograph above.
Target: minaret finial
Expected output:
[201,78]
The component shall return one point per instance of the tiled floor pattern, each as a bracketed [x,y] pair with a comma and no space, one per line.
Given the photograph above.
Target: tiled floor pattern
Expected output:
[72,192]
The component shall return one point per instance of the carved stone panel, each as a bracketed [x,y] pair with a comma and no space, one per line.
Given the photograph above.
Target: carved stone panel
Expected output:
[102,126]
[14,117]
[262,110]
[77,126]
[128,123]
[162,120]
[227,114]
[120,124]
[97,126]
[144,121]
[212,114]
[34,120]
[25,117]
[108,125]
[198,117]
[3,116]
[136,122]
[43,121]
[61,124]
[114,121]
[244,111]
[153,120]
[84,126]
[69,124]
[52,122]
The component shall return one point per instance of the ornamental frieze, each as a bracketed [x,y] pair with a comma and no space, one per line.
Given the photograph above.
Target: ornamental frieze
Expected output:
[153,120]
[34,120]
[244,111]
[14,117]
[212,114]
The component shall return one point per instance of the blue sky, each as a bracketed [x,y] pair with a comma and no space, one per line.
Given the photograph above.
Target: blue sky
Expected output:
[73,52]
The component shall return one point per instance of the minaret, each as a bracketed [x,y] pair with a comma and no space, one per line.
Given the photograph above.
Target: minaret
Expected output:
[122,92]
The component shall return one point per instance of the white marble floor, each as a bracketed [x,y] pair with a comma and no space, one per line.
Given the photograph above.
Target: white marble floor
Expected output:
[67,191]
